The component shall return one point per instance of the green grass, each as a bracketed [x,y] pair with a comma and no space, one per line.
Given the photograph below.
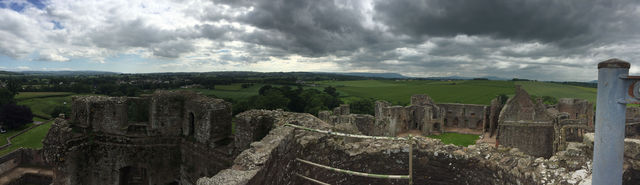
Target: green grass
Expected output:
[43,107]
[29,95]
[399,92]
[9,133]
[559,90]
[456,139]
[30,139]
[234,91]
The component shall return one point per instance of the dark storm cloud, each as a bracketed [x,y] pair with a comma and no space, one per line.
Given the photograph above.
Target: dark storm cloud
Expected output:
[311,28]
[569,22]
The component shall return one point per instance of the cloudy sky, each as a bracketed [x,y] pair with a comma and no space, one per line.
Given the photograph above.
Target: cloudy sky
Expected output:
[546,40]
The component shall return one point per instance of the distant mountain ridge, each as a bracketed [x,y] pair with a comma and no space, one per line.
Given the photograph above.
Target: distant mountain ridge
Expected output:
[68,72]
[375,75]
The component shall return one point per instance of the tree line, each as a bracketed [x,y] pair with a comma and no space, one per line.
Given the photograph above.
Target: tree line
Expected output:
[12,116]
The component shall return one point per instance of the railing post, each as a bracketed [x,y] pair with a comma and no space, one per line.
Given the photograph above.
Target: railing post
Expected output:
[610,117]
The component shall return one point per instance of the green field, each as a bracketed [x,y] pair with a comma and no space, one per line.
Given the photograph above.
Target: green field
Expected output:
[399,92]
[456,139]
[29,95]
[9,133]
[559,90]
[462,91]
[233,91]
[42,107]
[30,139]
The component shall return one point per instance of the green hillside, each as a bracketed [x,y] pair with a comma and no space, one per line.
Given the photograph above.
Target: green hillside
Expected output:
[559,90]
[463,91]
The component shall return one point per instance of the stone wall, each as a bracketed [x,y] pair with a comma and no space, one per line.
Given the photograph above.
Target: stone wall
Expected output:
[526,125]
[272,160]
[578,109]
[423,115]
[184,136]
[632,128]
[364,123]
[21,157]
[465,116]
[494,114]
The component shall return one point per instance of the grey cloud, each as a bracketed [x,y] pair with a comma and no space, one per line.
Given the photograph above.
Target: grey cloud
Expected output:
[136,33]
[172,49]
[311,28]
[567,23]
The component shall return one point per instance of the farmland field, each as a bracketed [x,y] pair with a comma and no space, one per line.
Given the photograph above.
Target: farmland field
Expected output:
[559,90]
[29,95]
[399,92]
[42,107]
[463,91]
[233,91]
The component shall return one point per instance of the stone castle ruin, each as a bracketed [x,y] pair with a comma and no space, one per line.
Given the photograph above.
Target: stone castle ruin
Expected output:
[185,138]
[166,138]
[533,127]
[540,131]
[423,116]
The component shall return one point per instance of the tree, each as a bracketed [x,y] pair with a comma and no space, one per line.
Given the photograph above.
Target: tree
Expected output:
[6,97]
[263,89]
[14,86]
[15,116]
[502,98]
[362,106]
[331,91]
[272,99]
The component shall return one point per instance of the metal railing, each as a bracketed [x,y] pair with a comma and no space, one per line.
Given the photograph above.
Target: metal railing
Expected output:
[349,172]
[615,89]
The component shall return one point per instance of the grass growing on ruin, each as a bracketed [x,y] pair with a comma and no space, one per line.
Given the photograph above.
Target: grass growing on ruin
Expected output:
[456,139]
[30,139]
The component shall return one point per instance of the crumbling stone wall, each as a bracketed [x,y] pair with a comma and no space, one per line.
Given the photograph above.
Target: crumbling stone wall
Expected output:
[185,136]
[423,114]
[578,109]
[465,116]
[364,123]
[272,160]
[541,131]
[632,122]
[526,125]
[494,114]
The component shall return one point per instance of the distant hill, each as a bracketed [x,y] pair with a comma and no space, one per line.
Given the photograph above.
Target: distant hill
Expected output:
[375,75]
[9,73]
[465,78]
[68,73]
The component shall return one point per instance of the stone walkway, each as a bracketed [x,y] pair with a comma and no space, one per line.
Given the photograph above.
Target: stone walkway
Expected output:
[18,172]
